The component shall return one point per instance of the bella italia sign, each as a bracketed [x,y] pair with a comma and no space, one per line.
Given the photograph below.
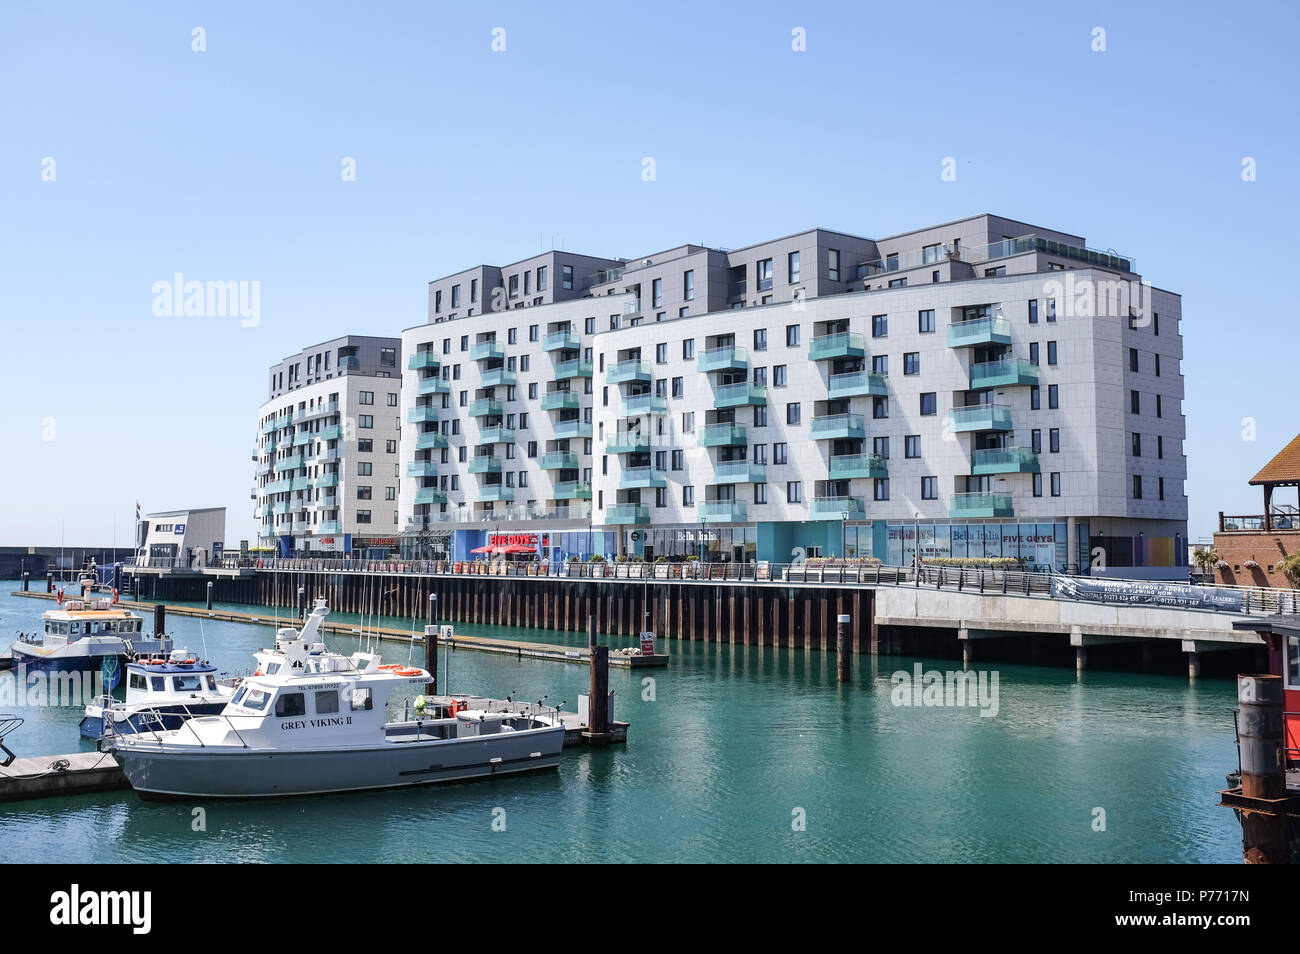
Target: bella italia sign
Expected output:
[1154,593]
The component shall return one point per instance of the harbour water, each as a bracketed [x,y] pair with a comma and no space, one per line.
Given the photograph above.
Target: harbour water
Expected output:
[729,749]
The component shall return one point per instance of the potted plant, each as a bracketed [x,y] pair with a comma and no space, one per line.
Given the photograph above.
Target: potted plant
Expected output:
[1206,559]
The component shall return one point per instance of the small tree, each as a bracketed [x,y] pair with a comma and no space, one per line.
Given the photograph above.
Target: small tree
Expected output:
[1205,559]
[1289,566]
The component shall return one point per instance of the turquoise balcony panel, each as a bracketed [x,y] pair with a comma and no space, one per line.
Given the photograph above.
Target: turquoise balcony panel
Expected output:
[857,384]
[739,472]
[1010,460]
[641,477]
[626,371]
[430,440]
[497,378]
[723,511]
[722,435]
[839,426]
[496,435]
[497,493]
[485,407]
[850,466]
[562,341]
[432,385]
[559,460]
[627,514]
[838,508]
[485,350]
[560,400]
[730,358]
[1003,373]
[980,505]
[425,414]
[423,360]
[645,404]
[573,368]
[738,395]
[483,464]
[421,468]
[844,344]
[571,490]
[982,417]
[628,442]
[430,495]
[566,430]
[979,331]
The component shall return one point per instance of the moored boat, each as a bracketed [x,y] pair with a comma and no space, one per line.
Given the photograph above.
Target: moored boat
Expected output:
[161,693]
[85,635]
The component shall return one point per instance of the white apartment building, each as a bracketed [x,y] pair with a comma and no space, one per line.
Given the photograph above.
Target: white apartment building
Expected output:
[327,451]
[981,388]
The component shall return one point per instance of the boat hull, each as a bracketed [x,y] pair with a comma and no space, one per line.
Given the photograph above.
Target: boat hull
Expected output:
[65,660]
[162,770]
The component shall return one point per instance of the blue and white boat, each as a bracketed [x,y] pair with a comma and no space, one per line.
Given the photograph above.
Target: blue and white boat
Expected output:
[161,693]
[86,635]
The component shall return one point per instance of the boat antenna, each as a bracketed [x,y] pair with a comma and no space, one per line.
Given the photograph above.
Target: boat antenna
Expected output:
[203,637]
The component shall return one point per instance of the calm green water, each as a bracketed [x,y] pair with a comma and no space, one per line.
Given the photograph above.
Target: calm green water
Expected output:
[735,741]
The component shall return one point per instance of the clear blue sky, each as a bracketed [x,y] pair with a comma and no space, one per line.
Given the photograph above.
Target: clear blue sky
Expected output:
[225,165]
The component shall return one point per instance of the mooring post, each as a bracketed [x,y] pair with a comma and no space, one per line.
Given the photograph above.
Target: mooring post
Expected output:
[209,594]
[26,581]
[842,647]
[159,620]
[1080,658]
[49,581]
[302,602]
[1263,771]
[598,691]
[431,645]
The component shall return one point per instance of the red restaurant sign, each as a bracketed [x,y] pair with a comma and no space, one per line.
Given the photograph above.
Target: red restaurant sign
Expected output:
[516,539]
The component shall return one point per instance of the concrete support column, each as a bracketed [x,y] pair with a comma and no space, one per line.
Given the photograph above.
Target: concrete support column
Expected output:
[1193,665]
[1071,546]
[967,646]
[1080,658]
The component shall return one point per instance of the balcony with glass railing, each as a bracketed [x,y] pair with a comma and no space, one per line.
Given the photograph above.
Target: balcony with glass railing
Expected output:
[625,514]
[989,330]
[430,495]
[423,414]
[723,511]
[559,460]
[485,407]
[573,368]
[729,358]
[496,493]
[283,421]
[1008,460]
[838,426]
[423,360]
[843,344]
[430,440]
[571,490]
[565,340]
[982,417]
[722,435]
[850,466]
[290,463]
[980,505]
[433,385]
[329,526]
[739,472]
[641,477]
[857,384]
[1003,373]
[634,370]
[421,468]
[497,378]
[484,464]
[628,442]
[645,404]
[496,435]
[486,350]
[327,480]
[560,400]
[838,508]
[739,395]
[331,433]
[566,430]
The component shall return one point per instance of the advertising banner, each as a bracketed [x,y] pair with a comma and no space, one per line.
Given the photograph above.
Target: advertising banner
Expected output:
[1154,593]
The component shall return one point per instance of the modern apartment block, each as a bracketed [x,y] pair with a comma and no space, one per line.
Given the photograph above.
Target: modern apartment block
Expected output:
[327,450]
[982,388]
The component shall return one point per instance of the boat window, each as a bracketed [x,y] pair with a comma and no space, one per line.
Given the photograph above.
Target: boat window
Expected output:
[1293,662]
[238,695]
[212,683]
[291,704]
[188,683]
[158,683]
[257,699]
[76,628]
[272,668]
[135,681]
[361,700]
[327,701]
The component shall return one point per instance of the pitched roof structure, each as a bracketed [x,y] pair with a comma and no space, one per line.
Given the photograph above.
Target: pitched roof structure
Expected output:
[1283,468]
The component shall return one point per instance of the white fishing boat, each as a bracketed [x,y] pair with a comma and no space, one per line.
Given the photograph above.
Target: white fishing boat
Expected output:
[86,635]
[320,724]
[161,693]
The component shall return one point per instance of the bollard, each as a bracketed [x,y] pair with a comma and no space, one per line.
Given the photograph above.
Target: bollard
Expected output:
[302,602]
[842,646]
[26,581]
[209,594]
[1263,769]
[49,581]
[431,645]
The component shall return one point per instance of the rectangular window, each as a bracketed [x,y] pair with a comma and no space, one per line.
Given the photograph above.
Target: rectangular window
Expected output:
[833,264]
[1038,485]
[566,277]
[688,422]
[929,404]
[1054,440]
[880,363]
[792,413]
[764,273]
[363,493]
[1051,352]
[1035,399]
[1160,447]
[541,278]
[879,408]
[1161,482]
[688,496]
[912,362]
[1134,402]
[792,267]
[760,493]
[879,326]
[1033,311]
[1036,441]
[656,292]
[779,453]
[1133,359]
[366,397]
[688,285]
[661,353]
[1159,408]
[792,336]
[1053,396]
[1051,309]
[679,387]
[1137,486]
[679,460]
[793,491]
[365,420]
[929,488]
[1056,484]
[880,447]
[778,376]
[363,516]
[760,339]
[925,321]
[688,349]
[1157,364]
[760,416]
[1033,352]
[881,490]
[1135,444]
[911,446]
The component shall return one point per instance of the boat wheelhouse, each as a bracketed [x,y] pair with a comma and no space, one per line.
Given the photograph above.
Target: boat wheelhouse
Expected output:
[161,693]
[82,635]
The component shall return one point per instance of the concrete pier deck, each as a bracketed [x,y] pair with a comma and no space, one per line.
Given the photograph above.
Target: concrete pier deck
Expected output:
[60,775]
[486,644]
